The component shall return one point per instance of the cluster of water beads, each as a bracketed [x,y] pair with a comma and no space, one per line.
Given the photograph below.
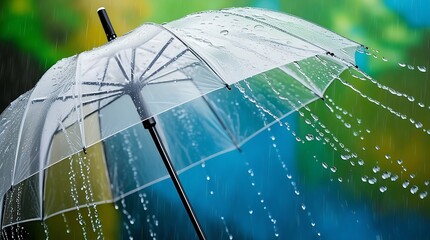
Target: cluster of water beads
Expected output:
[376,54]
[263,111]
[363,76]
[394,92]
[332,141]
[130,218]
[75,197]
[310,137]
[253,100]
[16,232]
[187,123]
[18,211]
[227,231]
[132,162]
[398,114]
[261,198]
[66,223]
[85,170]
[385,175]
[84,165]
[127,229]
[152,221]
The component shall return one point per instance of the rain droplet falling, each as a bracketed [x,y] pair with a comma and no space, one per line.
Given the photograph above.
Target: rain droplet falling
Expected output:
[414,189]
[227,231]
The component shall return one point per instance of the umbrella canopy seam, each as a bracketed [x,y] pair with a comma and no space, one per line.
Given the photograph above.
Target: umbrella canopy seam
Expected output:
[198,56]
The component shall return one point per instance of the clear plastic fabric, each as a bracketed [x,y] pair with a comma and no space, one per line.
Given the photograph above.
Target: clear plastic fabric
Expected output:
[178,73]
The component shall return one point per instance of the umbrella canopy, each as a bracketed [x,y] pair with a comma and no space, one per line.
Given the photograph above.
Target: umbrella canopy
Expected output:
[191,75]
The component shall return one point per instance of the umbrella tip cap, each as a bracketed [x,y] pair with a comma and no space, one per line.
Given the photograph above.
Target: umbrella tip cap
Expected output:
[100,9]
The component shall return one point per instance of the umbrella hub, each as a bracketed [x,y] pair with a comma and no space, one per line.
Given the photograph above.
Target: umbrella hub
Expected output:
[133,90]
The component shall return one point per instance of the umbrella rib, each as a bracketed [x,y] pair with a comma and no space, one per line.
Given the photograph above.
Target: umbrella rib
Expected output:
[174,70]
[195,54]
[170,80]
[103,98]
[167,64]
[90,94]
[118,95]
[307,82]
[121,67]
[223,124]
[133,63]
[156,57]
[74,96]
[103,84]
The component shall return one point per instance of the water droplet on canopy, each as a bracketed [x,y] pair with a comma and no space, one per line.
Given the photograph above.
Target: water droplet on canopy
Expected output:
[224,32]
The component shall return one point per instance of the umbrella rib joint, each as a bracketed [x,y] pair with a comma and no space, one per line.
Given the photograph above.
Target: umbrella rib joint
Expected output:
[133,90]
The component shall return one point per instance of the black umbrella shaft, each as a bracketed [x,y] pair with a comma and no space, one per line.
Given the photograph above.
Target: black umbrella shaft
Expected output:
[150,125]
[107,25]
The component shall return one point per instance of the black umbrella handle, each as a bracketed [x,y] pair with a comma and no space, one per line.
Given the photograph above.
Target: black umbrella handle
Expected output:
[107,25]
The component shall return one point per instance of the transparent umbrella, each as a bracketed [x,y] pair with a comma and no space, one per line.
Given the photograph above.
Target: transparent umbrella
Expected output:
[184,80]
